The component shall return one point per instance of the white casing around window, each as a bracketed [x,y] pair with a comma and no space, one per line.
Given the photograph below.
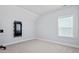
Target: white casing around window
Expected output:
[65,26]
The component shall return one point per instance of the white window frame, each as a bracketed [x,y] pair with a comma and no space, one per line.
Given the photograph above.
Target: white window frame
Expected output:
[62,28]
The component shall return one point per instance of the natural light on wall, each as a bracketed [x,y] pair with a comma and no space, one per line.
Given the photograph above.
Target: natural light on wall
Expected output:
[65,26]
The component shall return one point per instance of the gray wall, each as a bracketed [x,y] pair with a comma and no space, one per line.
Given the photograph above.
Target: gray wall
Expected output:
[48,25]
[8,14]
[45,27]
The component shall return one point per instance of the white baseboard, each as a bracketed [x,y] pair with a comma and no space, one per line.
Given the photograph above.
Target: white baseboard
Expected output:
[43,39]
[19,41]
[65,44]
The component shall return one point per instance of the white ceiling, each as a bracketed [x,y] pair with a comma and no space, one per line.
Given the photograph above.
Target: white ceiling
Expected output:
[40,9]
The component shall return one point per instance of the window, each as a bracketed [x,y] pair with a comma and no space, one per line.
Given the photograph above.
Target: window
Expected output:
[65,26]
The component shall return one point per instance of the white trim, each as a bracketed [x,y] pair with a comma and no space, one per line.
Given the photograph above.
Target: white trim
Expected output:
[43,39]
[18,41]
[65,44]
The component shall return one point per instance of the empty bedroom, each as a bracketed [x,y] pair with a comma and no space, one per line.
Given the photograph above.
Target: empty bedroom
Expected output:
[39,29]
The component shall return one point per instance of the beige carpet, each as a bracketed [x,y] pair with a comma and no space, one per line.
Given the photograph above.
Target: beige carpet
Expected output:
[38,46]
